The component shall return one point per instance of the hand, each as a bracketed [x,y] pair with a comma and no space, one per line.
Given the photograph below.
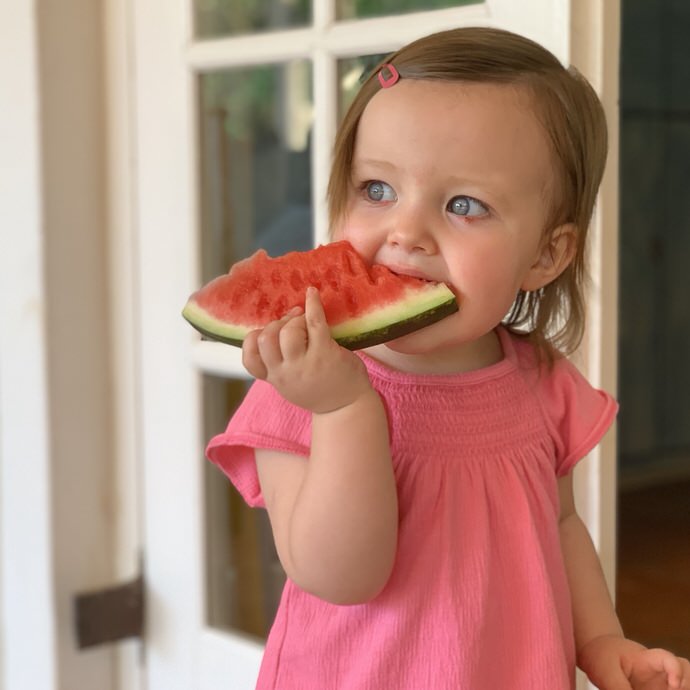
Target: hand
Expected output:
[614,663]
[298,356]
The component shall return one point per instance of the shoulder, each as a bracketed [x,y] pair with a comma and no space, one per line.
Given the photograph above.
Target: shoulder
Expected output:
[265,412]
[577,413]
[263,420]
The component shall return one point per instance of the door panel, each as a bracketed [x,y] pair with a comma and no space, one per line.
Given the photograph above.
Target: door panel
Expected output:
[234,141]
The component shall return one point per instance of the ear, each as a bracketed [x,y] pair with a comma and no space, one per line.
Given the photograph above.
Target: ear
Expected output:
[555,253]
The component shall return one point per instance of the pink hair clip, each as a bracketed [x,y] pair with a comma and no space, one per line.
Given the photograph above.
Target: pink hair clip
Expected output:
[393,75]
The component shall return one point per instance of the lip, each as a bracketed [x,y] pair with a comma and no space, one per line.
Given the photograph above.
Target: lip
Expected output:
[411,272]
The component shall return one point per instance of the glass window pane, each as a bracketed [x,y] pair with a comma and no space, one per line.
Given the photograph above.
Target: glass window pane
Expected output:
[352,9]
[243,574]
[255,141]
[215,18]
[255,191]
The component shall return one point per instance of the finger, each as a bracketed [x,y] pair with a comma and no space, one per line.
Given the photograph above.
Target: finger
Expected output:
[269,343]
[269,339]
[685,674]
[293,338]
[251,358]
[664,662]
[317,326]
[612,677]
[678,672]
[612,683]
[659,664]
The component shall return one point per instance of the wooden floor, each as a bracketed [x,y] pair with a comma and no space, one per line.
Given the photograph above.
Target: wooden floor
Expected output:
[653,587]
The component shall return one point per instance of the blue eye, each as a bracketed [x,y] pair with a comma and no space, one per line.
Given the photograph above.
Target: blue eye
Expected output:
[467,206]
[379,191]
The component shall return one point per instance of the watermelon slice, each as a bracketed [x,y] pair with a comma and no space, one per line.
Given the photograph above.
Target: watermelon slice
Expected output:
[364,305]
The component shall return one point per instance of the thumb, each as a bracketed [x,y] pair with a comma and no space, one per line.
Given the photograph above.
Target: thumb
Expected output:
[317,326]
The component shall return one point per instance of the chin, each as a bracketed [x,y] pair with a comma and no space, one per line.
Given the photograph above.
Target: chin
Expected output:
[424,341]
[445,338]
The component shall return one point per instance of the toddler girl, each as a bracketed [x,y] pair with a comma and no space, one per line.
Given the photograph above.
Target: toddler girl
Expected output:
[420,492]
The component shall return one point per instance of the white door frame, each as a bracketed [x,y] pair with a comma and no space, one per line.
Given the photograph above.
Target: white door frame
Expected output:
[595,51]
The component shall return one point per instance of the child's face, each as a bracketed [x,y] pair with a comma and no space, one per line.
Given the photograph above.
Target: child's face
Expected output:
[452,182]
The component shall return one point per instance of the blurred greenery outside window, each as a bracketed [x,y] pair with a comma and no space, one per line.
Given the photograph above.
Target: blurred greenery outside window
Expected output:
[216,18]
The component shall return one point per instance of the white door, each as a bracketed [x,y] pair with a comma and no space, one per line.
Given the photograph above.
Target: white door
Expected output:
[236,108]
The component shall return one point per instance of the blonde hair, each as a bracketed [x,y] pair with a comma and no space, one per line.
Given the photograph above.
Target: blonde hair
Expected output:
[571,115]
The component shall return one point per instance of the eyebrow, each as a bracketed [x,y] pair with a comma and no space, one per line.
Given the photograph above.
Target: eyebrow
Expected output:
[373,163]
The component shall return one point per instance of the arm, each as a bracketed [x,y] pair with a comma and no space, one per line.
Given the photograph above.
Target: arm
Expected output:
[611,661]
[335,516]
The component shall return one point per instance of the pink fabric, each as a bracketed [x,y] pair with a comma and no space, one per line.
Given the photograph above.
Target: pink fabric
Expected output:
[478,599]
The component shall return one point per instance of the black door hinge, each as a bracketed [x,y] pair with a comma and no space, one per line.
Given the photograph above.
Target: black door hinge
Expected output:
[111,614]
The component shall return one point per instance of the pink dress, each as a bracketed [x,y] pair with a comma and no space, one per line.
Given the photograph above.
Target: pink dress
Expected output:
[478,599]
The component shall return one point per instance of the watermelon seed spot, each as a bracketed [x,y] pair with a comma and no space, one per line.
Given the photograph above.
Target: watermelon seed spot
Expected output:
[262,304]
[351,301]
[276,279]
[295,279]
[281,306]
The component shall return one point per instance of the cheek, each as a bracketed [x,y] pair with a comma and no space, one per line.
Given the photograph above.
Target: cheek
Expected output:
[488,270]
[358,236]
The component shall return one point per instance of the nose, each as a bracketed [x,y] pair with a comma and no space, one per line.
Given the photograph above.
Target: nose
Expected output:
[411,230]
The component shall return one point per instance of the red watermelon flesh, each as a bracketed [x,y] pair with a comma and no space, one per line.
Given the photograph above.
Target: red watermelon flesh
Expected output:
[364,304]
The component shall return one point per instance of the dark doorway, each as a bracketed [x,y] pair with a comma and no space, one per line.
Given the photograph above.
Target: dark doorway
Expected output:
[654,330]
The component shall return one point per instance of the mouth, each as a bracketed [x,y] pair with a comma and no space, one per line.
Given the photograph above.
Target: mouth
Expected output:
[420,275]
[412,273]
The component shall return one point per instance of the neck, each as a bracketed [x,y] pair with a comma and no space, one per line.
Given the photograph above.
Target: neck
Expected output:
[479,354]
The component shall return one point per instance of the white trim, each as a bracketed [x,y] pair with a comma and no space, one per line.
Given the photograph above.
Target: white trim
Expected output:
[172,444]
[343,39]
[217,359]
[323,134]
[123,313]
[27,605]
[548,25]
[228,661]
[595,36]
[323,14]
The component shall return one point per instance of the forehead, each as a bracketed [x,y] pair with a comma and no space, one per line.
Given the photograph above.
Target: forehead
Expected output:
[481,130]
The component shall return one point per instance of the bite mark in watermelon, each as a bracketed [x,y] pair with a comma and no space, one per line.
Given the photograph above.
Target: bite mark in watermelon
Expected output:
[364,304]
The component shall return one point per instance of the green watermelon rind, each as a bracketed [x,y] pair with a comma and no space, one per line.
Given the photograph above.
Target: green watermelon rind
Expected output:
[420,307]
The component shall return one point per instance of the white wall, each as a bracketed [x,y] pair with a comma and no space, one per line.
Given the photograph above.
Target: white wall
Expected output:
[27,635]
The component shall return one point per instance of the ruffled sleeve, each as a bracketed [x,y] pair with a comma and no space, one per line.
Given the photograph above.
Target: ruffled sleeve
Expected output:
[266,420]
[578,414]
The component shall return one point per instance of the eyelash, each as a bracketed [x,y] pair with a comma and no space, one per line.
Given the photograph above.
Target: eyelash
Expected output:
[470,200]
[365,186]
